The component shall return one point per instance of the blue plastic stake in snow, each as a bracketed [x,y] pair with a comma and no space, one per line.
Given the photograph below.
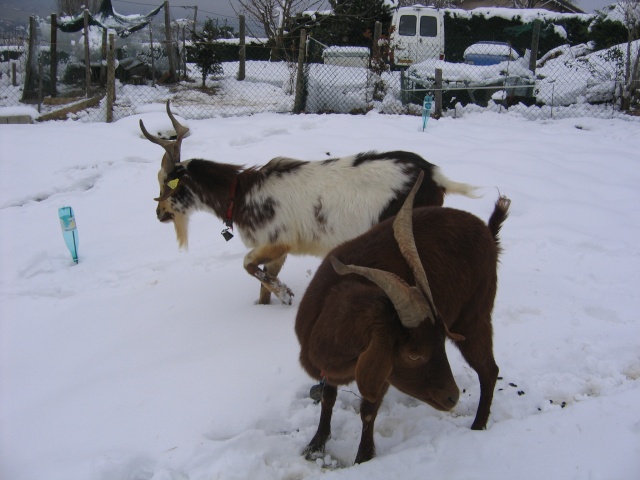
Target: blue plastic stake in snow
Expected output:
[69,230]
[426,110]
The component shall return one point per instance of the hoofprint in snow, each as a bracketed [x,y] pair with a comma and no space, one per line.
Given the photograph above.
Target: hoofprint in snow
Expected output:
[143,361]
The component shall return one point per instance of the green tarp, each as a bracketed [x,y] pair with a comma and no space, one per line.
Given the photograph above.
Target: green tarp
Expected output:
[107,18]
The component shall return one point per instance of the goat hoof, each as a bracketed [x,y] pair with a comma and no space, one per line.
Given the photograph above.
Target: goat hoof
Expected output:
[285,295]
[312,453]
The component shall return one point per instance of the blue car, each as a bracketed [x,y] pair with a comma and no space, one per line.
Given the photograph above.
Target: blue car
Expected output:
[489,53]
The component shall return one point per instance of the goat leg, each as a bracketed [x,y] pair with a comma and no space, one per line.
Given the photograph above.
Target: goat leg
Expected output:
[272,257]
[487,386]
[275,286]
[315,449]
[368,414]
[272,269]
[479,356]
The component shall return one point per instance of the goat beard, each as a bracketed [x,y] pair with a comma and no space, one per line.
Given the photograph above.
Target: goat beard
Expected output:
[181,224]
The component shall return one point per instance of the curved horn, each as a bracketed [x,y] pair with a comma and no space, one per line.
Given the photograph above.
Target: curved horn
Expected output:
[403,232]
[171,147]
[409,302]
[181,130]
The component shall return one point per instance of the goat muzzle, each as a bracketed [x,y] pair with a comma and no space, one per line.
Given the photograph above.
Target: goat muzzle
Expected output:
[164,217]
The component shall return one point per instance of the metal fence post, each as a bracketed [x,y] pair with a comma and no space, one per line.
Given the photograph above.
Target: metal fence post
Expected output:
[53,55]
[111,77]
[298,104]
[533,57]
[87,56]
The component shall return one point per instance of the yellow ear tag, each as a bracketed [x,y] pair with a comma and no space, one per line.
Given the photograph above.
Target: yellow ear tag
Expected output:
[173,184]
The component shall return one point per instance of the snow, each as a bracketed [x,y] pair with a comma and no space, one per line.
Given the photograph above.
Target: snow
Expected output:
[472,74]
[525,15]
[491,48]
[145,362]
[593,75]
[19,110]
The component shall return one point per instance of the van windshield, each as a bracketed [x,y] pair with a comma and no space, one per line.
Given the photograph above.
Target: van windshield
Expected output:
[407,26]
[428,27]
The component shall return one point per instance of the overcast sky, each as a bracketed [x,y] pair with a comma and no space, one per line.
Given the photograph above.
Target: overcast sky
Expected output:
[206,8]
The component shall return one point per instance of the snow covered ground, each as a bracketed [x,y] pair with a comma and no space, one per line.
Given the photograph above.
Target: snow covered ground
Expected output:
[145,362]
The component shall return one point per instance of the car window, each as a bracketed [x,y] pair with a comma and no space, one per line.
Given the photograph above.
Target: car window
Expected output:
[428,27]
[408,25]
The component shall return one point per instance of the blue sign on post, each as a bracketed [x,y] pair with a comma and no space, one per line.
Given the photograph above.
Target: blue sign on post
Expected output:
[69,230]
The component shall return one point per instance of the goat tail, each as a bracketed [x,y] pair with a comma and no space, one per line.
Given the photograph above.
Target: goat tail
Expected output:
[453,187]
[499,215]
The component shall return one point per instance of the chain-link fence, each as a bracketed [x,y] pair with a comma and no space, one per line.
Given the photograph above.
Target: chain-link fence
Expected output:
[565,81]
[12,67]
[475,75]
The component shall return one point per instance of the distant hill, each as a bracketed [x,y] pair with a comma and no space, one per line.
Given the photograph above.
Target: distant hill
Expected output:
[17,12]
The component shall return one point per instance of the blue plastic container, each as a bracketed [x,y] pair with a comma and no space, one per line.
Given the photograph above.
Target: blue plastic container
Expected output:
[69,230]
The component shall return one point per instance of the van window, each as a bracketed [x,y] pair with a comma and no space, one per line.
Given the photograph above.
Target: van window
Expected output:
[428,27]
[408,25]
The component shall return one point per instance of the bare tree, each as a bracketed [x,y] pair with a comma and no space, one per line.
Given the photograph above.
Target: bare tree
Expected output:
[524,3]
[74,7]
[271,14]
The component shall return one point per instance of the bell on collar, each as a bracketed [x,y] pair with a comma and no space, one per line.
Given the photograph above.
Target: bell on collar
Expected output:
[227,234]
[316,393]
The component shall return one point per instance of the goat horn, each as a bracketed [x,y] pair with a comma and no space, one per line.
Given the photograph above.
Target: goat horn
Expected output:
[409,302]
[181,130]
[403,232]
[172,147]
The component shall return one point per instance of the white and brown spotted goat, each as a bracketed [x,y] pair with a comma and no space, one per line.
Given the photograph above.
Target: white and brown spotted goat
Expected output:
[292,206]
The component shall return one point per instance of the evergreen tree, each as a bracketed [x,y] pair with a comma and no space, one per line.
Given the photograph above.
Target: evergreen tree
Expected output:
[354,20]
[205,51]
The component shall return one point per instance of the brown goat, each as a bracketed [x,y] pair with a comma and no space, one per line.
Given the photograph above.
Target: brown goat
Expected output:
[375,329]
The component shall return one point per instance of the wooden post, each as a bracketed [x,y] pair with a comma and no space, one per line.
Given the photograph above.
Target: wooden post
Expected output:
[53,54]
[184,52]
[242,53]
[40,88]
[535,38]
[14,74]
[298,103]
[111,77]
[533,57]
[153,64]
[437,111]
[103,59]
[29,90]
[195,22]
[169,43]
[377,33]
[87,56]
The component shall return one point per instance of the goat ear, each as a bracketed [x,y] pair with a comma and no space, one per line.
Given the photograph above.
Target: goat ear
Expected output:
[374,367]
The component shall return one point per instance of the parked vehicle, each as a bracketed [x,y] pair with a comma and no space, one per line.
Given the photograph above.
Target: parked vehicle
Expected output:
[417,34]
[489,53]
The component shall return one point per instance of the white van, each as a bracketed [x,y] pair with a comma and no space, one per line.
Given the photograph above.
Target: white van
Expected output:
[417,34]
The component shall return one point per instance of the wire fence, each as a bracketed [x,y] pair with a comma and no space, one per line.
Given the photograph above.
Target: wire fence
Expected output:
[564,82]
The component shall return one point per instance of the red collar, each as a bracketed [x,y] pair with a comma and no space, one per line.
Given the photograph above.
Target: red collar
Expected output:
[232,194]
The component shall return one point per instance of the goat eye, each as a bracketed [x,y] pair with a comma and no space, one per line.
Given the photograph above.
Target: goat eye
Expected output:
[414,357]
